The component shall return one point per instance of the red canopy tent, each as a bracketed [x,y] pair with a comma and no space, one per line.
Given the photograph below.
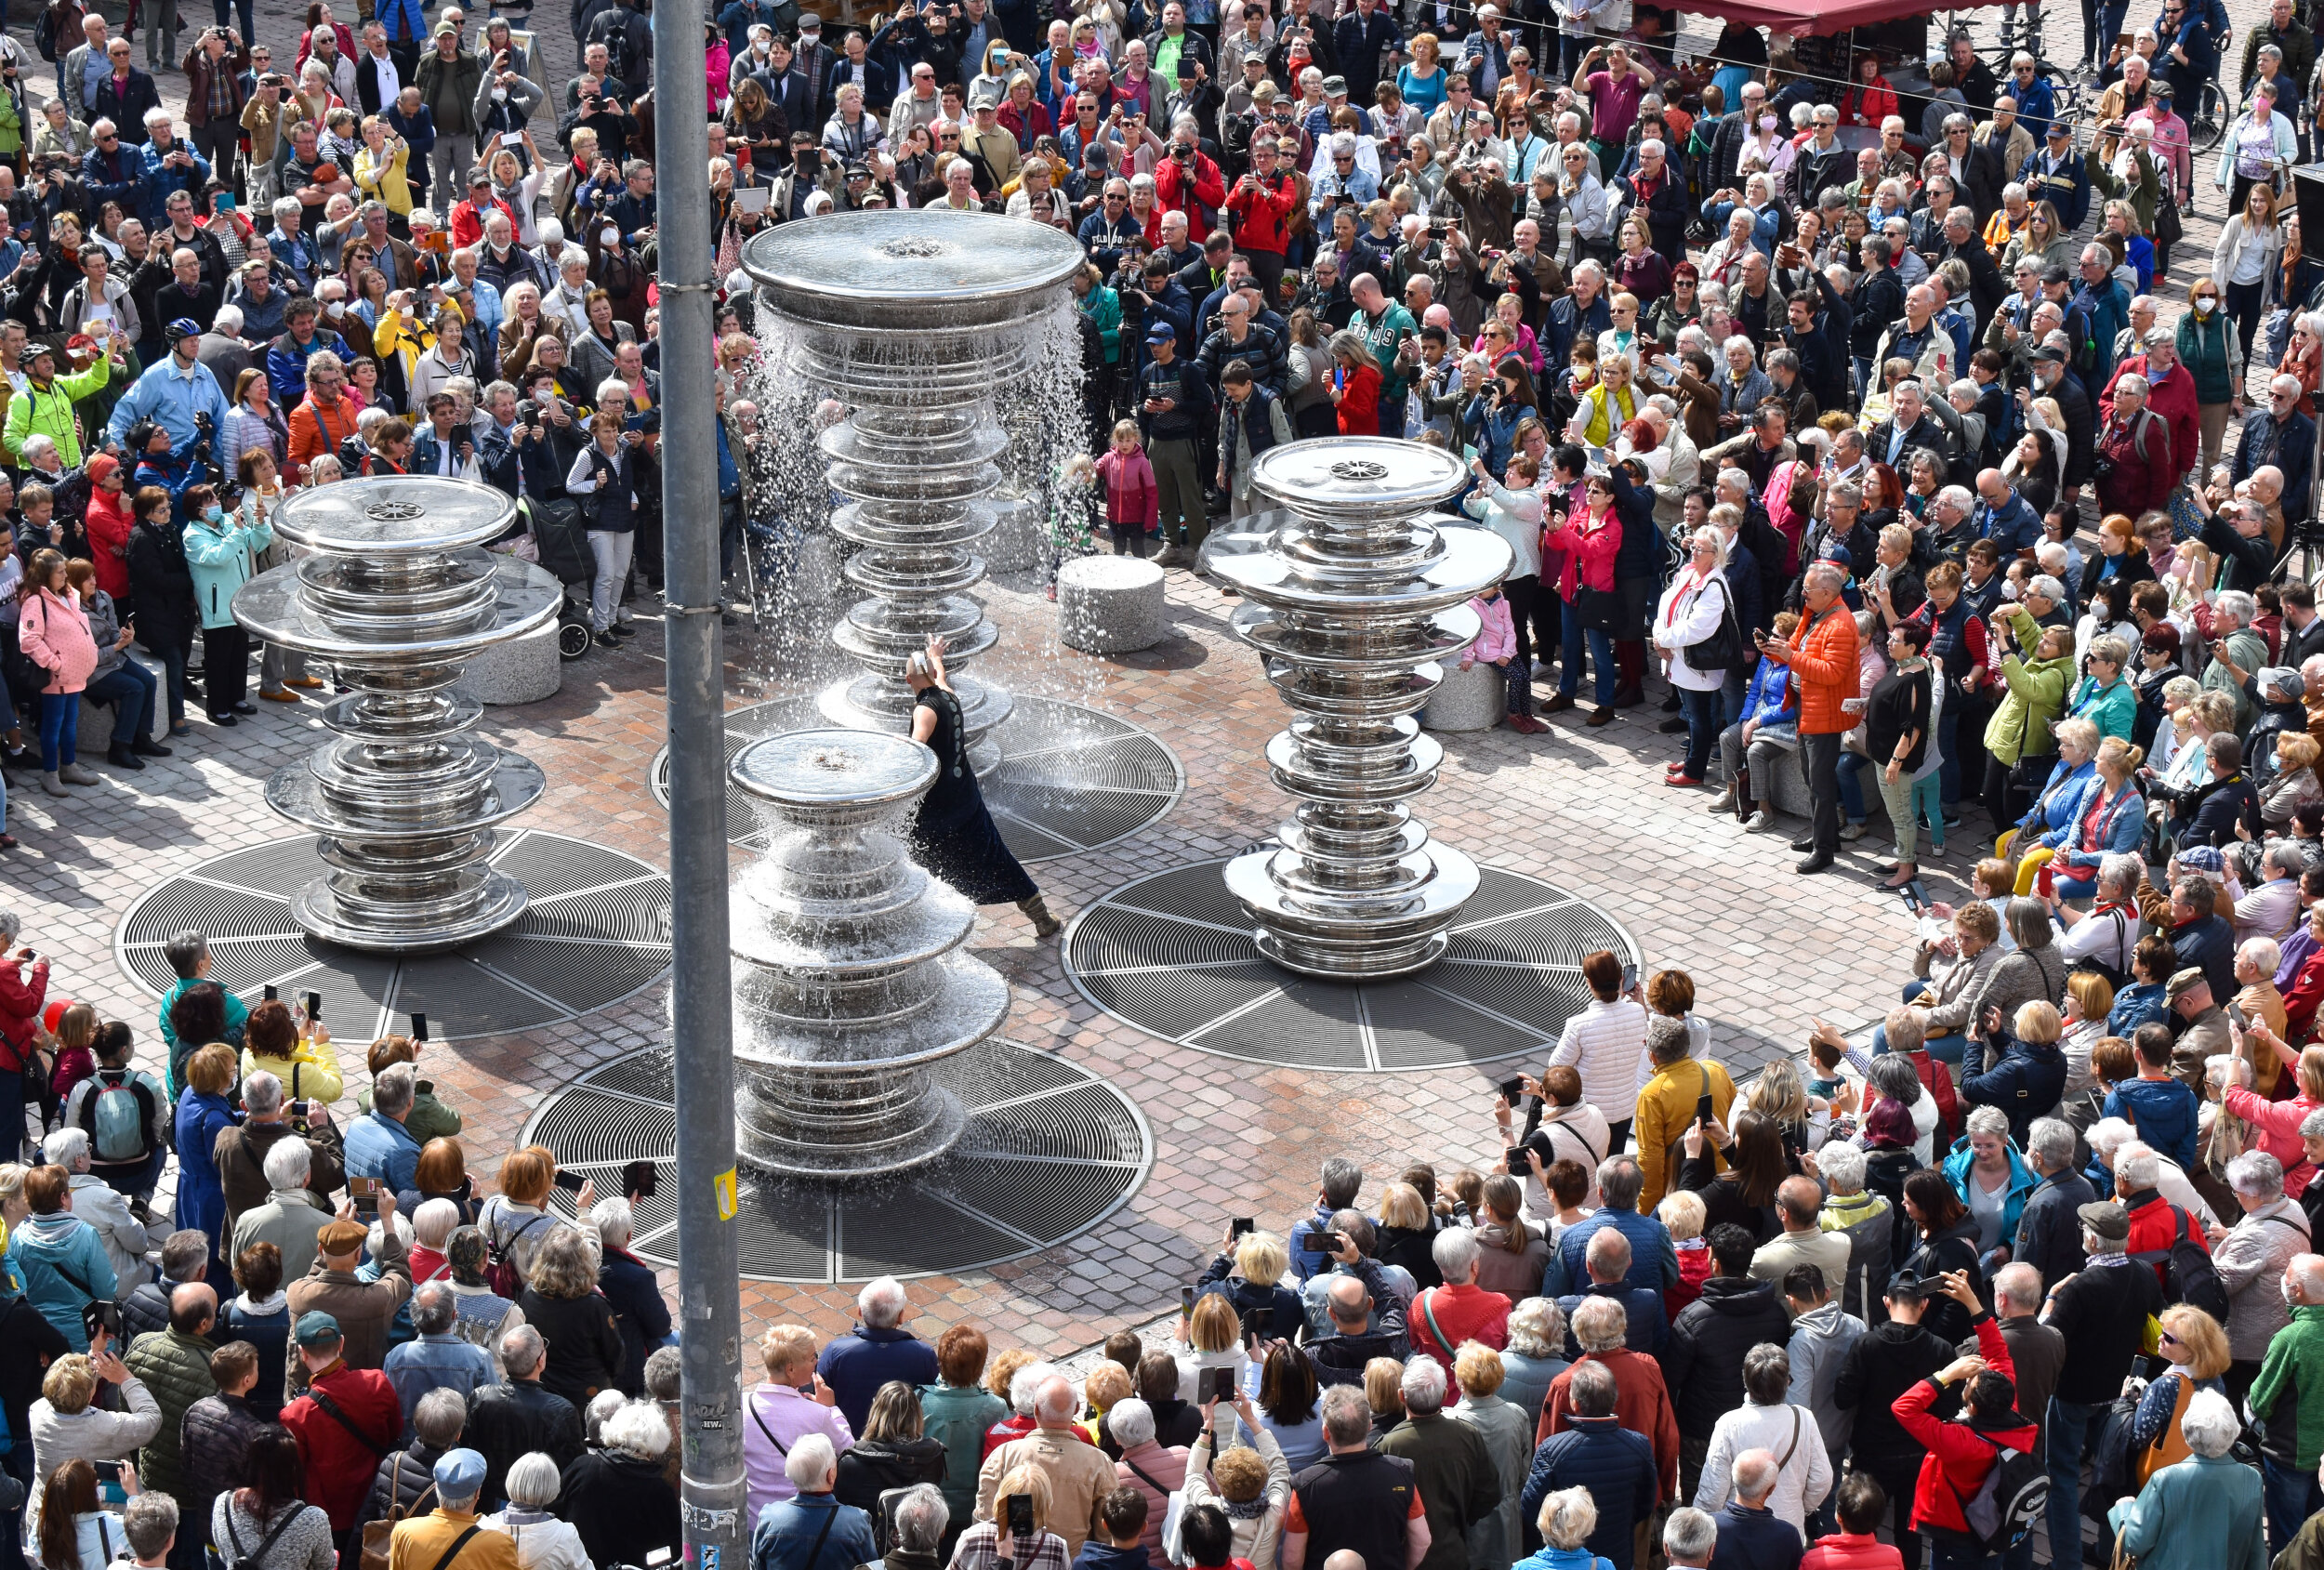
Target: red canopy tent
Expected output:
[1834,16]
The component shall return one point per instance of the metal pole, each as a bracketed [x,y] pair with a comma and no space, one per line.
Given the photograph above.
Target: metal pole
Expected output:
[711,1486]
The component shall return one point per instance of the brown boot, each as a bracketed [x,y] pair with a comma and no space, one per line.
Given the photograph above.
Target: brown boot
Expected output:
[1037,911]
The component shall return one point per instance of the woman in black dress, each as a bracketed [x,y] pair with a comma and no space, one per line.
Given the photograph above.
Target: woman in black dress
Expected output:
[953,836]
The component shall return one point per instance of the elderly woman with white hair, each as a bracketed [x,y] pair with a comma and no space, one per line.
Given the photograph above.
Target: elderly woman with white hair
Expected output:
[620,1501]
[544,1541]
[1568,1520]
[1697,621]
[2253,1257]
[2208,1510]
[631,1289]
[1534,1355]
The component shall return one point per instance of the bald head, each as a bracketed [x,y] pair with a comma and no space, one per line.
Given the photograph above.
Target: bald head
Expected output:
[1350,1305]
[1799,1199]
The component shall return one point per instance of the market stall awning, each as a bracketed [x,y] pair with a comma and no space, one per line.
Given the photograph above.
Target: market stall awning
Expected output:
[1837,16]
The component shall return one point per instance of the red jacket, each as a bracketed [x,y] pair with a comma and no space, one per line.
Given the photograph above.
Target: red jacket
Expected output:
[1132,495]
[1641,1400]
[2153,1226]
[339,1466]
[1196,193]
[1464,1313]
[1261,212]
[1845,1550]
[1938,1082]
[1588,556]
[23,990]
[108,522]
[2172,398]
[1959,1457]
[1867,104]
[2144,467]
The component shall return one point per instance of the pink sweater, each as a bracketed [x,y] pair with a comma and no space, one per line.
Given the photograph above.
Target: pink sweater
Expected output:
[1497,641]
[55,637]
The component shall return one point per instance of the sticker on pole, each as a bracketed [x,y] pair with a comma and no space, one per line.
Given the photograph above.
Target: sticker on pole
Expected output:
[709,1556]
[723,1185]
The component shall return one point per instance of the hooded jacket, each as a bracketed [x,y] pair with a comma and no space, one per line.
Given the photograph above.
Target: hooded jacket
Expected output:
[2022,1181]
[2034,694]
[1705,1361]
[1870,1221]
[1820,1341]
[59,1264]
[1880,1366]
[1959,1454]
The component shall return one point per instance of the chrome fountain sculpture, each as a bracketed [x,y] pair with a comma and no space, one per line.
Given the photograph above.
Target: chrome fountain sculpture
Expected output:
[1352,596]
[850,985]
[913,320]
[398,592]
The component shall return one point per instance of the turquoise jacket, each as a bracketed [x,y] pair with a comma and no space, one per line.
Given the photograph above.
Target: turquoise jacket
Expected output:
[2203,1510]
[2022,1182]
[2109,709]
[222,552]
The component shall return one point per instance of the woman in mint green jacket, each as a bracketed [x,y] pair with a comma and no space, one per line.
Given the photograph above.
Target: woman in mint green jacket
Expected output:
[222,551]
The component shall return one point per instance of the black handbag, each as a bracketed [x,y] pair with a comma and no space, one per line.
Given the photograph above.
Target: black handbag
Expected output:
[1598,609]
[1724,649]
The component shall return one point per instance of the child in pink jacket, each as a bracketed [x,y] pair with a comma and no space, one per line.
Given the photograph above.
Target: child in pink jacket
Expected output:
[54,635]
[1133,499]
[1496,646]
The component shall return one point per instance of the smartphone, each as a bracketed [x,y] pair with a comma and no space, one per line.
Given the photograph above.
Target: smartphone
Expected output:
[1216,1384]
[1259,1323]
[570,1181]
[512,138]
[636,1179]
[106,1472]
[1240,1225]
[1515,1157]
[314,1008]
[1186,1299]
[1912,901]
[1020,1515]
[1331,1242]
[271,993]
[1629,979]
[657,1556]
[365,1192]
[419,1026]
[101,1318]
[1513,1090]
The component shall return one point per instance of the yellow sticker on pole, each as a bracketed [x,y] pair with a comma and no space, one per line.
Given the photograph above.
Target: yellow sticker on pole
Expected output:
[723,1184]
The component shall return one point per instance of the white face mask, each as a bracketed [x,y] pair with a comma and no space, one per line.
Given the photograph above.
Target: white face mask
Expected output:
[337,307]
[609,237]
[500,95]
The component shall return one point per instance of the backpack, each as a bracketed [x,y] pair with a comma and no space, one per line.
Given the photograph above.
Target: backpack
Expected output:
[2015,1495]
[2188,1275]
[118,1118]
[500,1264]
[2116,977]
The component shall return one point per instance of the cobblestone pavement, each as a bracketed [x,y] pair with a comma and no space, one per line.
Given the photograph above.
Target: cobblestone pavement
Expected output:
[1582,808]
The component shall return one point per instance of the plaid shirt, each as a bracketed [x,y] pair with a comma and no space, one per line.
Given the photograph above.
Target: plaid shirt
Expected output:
[980,1547]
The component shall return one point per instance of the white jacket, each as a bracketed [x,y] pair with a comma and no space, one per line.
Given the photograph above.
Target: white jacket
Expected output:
[543,1541]
[1788,1433]
[90,1434]
[1677,625]
[123,1234]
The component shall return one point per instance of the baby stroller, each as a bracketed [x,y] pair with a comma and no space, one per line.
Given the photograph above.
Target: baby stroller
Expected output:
[562,540]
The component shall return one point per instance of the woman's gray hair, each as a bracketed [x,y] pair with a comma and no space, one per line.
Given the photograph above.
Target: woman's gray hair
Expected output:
[1842,1166]
[1130,1421]
[1893,1076]
[2029,922]
[2234,603]
[10,925]
[2112,649]
[809,1466]
[2132,382]
[599,1412]
[2209,1425]
[1600,1324]
[1455,1253]
[2256,1175]
[2312,1125]
[2110,1134]
[1423,1384]
[534,1481]
[614,1223]
[1536,1325]
[1988,1120]
[1717,541]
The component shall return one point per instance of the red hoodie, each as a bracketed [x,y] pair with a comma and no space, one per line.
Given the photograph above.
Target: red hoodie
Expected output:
[108,522]
[1958,1456]
[1849,1550]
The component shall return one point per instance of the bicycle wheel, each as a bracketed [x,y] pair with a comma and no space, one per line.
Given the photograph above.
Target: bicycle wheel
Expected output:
[2209,122]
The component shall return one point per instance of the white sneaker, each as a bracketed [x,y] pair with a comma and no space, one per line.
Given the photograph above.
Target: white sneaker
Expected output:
[1761,822]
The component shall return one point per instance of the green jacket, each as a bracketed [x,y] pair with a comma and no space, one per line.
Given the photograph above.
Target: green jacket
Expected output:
[2248,649]
[957,1415]
[47,411]
[2142,190]
[2205,349]
[1103,307]
[176,1367]
[2297,1350]
[2035,695]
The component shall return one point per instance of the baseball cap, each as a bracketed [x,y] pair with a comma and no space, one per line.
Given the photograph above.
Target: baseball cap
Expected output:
[1160,332]
[2057,272]
[2058,129]
[316,1328]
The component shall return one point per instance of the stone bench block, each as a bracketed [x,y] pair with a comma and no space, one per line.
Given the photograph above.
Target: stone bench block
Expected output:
[1475,699]
[96,734]
[523,670]
[1110,604]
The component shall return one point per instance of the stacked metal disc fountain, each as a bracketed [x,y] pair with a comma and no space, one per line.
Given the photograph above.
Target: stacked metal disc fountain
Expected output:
[397,591]
[1352,596]
[850,985]
[913,321]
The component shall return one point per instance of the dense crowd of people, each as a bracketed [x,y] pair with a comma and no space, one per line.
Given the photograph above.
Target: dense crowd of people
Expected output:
[1863,432]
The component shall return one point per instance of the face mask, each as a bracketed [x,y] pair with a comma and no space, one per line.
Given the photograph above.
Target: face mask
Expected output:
[500,95]
[2203,306]
[213,514]
[609,237]
[1767,122]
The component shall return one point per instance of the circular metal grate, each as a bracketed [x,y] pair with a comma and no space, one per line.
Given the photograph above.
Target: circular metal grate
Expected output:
[1074,779]
[597,931]
[1172,953]
[1050,1151]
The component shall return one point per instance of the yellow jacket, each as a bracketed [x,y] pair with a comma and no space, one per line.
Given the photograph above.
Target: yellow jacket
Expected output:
[386,180]
[311,1073]
[419,1543]
[1666,1107]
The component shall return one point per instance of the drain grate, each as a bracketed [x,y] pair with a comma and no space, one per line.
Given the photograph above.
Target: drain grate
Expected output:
[597,931]
[1050,1151]
[1074,779]
[1172,955]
